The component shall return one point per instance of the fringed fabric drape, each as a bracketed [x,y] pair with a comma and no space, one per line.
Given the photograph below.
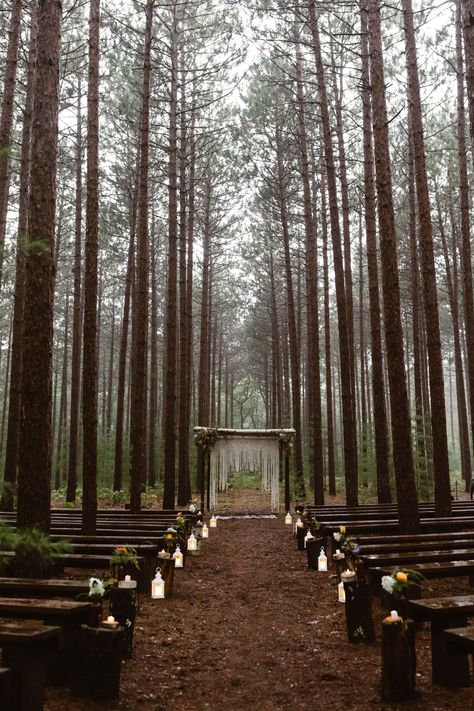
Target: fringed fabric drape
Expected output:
[251,454]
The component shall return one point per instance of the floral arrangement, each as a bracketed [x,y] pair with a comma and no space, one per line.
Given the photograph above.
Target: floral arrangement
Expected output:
[124,555]
[400,581]
[205,437]
[98,589]
[180,521]
[346,542]
[171,538]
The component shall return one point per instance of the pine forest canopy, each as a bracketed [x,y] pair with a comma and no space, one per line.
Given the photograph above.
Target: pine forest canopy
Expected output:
[253,215]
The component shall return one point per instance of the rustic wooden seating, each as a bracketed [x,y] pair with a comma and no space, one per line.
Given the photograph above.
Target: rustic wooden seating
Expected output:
[67,614]
[5,687]
[402,557]
[39,587]
[444,612]
[459,642]
[26,651]
[444,569]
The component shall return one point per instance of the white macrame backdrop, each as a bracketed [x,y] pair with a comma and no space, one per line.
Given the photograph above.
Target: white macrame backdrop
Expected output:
[252,454]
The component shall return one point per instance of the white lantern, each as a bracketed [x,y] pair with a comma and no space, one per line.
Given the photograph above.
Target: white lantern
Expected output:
[298,524]
[309,537]
[158,586]
[322,562]
[213,522]
[341,593]
[192,543]
[205,531]
[178,557]
[288,519]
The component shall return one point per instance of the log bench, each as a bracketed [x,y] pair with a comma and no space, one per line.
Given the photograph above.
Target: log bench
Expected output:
[460,642]
[92,561]
[39,587]
[432,555]
[400,539]
[433,571]
[448,668]
[26,651]
[68,615]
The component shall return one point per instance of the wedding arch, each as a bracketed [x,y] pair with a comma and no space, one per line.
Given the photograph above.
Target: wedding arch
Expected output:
[227,451]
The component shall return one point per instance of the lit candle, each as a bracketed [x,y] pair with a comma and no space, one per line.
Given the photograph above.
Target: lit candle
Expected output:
[110,622]
[338,551]
[128,578]
[394,615]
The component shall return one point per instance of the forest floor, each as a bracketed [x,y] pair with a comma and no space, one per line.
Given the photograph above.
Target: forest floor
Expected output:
[250,626]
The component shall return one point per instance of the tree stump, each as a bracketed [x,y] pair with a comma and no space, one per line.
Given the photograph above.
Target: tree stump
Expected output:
[123,606]
[99,662]
[300,534]
[312,550]
[398,660]
[360,623]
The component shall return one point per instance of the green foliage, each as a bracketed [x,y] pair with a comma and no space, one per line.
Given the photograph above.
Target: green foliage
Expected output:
[124,555]
[35,552]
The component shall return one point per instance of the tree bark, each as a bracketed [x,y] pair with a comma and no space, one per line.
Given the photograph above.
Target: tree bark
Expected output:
[348,403]
[378,390]
[6,116]
[442,487]
[34,476]
[11,453]
[90,348]
[409,520]
[140,302]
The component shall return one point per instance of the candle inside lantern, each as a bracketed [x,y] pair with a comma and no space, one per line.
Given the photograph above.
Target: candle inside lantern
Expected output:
[394,615]
[288,519]
[213,522]
[341,593]
[322,561]
[205,531]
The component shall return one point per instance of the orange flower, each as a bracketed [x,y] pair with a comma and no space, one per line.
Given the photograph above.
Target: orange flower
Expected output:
[121,550]
[169,536]
[401,577]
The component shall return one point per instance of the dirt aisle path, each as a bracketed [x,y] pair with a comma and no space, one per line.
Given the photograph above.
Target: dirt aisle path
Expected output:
[250,627]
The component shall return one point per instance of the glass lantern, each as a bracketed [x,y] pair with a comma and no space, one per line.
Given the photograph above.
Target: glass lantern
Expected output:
[192,543]
[158,586]
[205,531]
[288,519]
[213,522]
[178,558]
[322,562]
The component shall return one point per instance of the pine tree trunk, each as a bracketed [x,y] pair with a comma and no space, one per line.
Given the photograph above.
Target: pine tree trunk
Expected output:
[153,404]
[62,402]
[76,319]
[466,257]
[34,475]
[169,367]
[11,453]
[6,116]
[140,302]
[380,413]
[348,403]
[314,383]
[90,346]
[430,301]
[294,356]
[409,521]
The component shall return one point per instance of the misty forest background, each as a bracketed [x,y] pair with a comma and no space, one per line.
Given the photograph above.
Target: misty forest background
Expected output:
[259,217]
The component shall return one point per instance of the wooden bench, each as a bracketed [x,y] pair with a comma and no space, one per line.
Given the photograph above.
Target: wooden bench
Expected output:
[459,644]
[93,561]
[67,614]
[425,556]
[39,587]
[433,571]
[443,613]
[27,651]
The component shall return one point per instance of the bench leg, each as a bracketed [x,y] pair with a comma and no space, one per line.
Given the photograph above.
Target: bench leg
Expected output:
[27,678]
[448,668]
